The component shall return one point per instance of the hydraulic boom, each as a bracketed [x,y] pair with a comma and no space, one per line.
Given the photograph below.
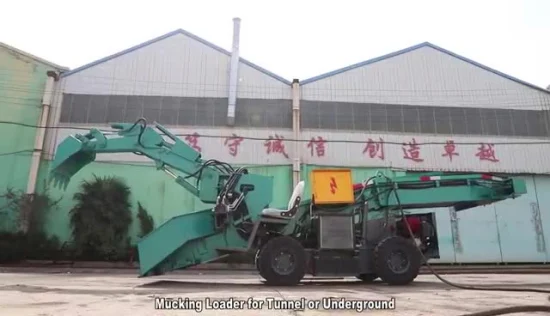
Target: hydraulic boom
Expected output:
[344,229]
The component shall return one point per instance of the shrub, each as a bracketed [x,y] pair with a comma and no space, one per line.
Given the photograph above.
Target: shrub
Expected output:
[28,240]
[31,209]
[101,218]
[146,222]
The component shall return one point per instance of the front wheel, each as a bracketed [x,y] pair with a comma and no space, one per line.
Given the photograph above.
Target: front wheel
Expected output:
[282,261]
[257,262]
[397,260]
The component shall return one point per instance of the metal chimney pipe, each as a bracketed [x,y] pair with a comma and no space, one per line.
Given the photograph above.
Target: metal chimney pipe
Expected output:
[234,73]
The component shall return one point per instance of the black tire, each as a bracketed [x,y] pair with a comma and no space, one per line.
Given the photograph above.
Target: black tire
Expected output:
[367,277]
[256,257]
[392,249]
[275,250]
[257,262]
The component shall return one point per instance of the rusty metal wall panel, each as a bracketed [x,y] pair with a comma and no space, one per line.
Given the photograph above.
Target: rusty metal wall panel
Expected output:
[175,66]
[429,77]
[476,154]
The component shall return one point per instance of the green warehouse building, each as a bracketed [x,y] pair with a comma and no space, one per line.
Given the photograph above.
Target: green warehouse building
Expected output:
[26,87]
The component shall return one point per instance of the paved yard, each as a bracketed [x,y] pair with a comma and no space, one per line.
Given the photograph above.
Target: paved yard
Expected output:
[73,294]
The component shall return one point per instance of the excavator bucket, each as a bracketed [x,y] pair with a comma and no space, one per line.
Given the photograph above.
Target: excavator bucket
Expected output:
[70,157]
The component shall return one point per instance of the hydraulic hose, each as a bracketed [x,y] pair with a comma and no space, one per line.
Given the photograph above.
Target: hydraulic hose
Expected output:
[499,311]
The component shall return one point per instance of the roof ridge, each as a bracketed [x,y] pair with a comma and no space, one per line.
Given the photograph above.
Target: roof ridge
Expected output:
[34,57]
[170,34]
[415,47]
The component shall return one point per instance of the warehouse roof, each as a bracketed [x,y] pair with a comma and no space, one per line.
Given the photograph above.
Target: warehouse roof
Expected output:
[409,49]
[176,32]
[33,57]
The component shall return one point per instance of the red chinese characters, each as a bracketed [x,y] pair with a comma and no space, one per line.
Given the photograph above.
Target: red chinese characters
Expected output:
[275,145]
[450,150]
[193,141]
[233,143]
[411,151]
[487,152]
[375,149]
[317,146]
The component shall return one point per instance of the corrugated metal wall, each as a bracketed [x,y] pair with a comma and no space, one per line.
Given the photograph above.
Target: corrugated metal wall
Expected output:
[423,152]
[176,81]
[425,77]
[428,96]
[177,66]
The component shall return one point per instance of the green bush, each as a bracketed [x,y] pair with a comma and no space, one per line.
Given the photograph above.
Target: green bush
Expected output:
[28,240]
[31,209]
[12,247]
[101,219]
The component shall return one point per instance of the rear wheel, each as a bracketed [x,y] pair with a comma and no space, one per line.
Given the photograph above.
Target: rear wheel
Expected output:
[282,261]
[397,260]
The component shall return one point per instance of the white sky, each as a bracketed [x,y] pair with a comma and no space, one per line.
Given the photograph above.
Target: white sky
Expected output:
[294,39]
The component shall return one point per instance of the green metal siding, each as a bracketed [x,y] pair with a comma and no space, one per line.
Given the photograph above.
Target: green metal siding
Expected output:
[155,190]
[22,83]
[503,232]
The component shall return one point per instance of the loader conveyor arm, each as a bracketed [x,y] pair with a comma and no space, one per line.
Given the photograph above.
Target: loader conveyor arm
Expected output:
[460,191]
[424,191]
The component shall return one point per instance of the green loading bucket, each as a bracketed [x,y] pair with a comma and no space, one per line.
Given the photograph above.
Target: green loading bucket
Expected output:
[70,157]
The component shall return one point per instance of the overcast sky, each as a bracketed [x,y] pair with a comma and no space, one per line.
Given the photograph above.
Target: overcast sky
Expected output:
[295,39]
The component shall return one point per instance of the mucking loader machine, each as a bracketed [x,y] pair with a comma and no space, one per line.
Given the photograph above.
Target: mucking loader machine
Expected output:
[363,230]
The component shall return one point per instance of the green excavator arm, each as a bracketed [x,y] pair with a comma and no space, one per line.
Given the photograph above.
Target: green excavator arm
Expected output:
[237,197]
[167,151]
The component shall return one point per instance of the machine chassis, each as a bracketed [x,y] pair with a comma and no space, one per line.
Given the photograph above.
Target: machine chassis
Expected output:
[363,249]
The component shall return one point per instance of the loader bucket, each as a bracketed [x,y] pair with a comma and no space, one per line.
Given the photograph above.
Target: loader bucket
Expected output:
[70,157]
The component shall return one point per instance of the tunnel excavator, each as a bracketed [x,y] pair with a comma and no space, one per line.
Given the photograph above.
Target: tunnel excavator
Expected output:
[369,230]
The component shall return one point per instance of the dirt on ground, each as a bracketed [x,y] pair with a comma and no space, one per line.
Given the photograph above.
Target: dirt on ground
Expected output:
[243,293]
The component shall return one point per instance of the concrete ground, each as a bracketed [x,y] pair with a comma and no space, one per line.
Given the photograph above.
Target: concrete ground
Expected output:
[73,294]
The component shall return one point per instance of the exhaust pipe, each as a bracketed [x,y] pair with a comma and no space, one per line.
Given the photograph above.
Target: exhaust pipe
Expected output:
[234,73]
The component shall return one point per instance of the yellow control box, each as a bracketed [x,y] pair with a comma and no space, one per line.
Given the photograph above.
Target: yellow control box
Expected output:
[332,186]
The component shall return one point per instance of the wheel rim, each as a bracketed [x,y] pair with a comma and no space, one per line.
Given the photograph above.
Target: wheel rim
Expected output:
[283,262]
[398,261]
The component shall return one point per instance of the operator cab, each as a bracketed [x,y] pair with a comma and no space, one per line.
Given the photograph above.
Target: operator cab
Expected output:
[292,207]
